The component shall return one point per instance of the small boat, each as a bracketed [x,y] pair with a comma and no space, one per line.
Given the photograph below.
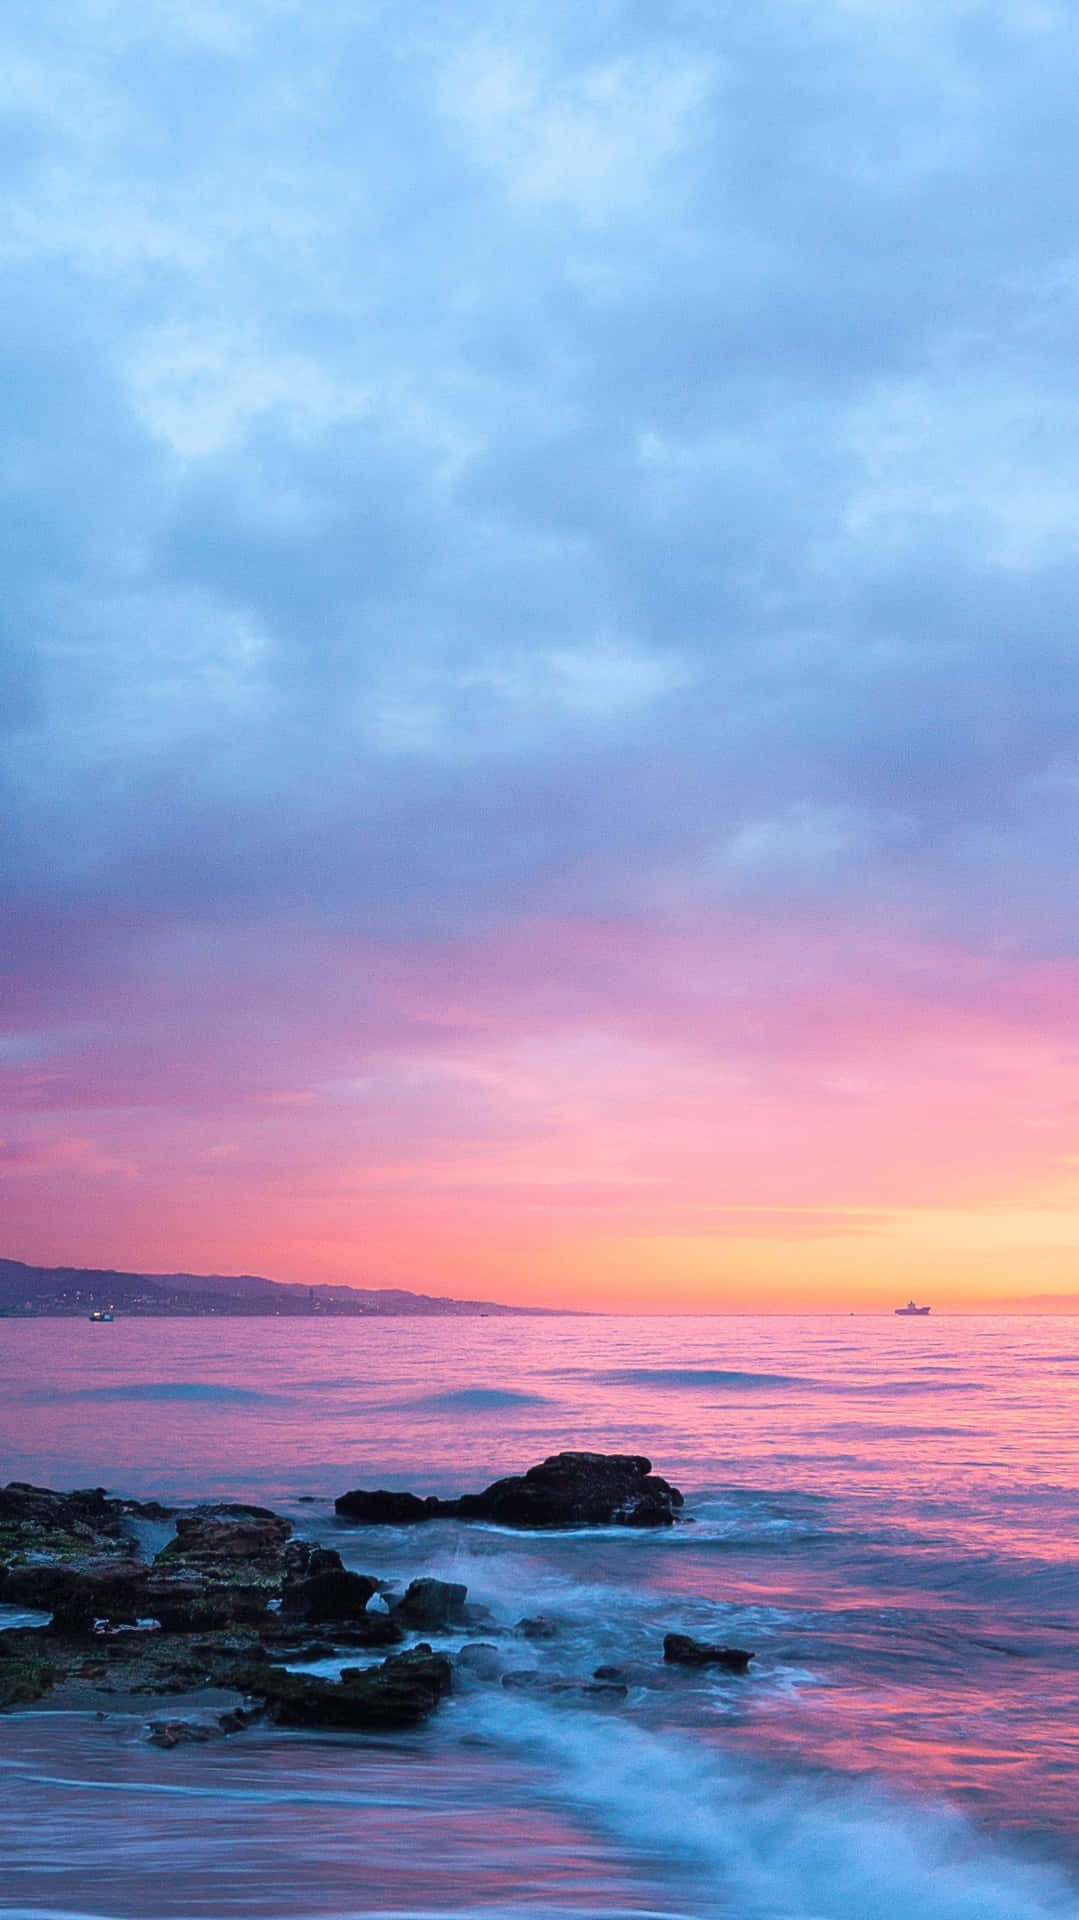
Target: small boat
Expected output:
[102,1313]
[911,1308]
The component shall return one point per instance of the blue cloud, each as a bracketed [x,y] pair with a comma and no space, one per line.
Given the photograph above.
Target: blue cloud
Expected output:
[461,470]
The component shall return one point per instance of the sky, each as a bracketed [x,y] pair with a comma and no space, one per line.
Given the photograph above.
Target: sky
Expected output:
[538,667]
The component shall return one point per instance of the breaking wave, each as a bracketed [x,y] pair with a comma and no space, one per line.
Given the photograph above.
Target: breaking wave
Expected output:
[479,1399]
[762,1843]
[678,1377]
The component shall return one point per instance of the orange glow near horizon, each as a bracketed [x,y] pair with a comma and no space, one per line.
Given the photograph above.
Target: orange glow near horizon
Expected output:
[711,1124]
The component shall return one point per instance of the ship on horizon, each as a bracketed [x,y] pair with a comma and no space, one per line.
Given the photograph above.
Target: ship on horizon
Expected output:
[912,1308]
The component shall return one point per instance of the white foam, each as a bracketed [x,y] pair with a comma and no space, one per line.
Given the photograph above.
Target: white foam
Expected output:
[767,1845]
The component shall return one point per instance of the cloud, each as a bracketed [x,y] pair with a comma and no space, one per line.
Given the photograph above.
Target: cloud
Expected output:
[201,393]
[591,140]
[474,476]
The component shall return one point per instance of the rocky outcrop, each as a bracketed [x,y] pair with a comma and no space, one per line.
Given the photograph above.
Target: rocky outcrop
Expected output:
[383,1509]
[578,1490]
[333,1594]
[479,1660]
[303,1557]
[92,1590]
[224,1566]
[37,1522]
[234,1597]
[687,1652]
[536,1626]
[211,1538]
[178,1733]
[429,1605]
[565,1687]
[124,1662]
[83,1589]
[401,1692]
[25,1670]
[566,1490]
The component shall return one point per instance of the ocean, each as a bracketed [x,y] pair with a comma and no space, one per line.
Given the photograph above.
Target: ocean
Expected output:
[884,1510]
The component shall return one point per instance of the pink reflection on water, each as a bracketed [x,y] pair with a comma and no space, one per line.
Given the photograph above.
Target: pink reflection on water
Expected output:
[93,1820]
[891,1525]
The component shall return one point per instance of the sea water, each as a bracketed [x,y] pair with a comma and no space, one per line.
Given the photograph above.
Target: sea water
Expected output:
[884,1510]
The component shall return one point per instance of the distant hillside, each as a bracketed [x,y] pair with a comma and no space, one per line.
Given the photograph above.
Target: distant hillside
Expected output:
[28,1290]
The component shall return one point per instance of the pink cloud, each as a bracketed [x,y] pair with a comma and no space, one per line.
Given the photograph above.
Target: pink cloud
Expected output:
[730,1078]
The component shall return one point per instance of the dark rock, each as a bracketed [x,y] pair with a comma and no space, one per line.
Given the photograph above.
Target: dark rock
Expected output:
[536,1626]
[430,1604]
[480,1660]
[37,1521]
[144,1509]
[190,1604]
[333,1594]
[25,1671]
[382,1509]
[687,1652]
[303,1557]
[223,1567]
[132,1662]
[371,1630]
[100,1585]
[111,1590]
[608,1673]
[578,1490]
[566,1490]
[213,1538]
[563,1686]
[177,1733]
[290,1637]
[404,1690]
[237,1718]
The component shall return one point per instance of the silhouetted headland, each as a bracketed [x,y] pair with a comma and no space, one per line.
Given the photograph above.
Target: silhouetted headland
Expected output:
[26,1291]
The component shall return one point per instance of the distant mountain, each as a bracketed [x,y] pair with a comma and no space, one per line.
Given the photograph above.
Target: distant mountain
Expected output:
[26,1290]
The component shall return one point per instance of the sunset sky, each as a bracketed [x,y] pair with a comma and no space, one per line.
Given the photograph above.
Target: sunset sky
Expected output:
[540,678]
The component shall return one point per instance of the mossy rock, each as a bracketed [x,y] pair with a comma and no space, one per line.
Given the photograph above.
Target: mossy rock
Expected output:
[25,1674]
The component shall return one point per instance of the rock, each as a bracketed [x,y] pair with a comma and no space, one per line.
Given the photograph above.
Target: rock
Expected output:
[111,1590]
[143,1509]
[223,1567]
[36,1522]
[566,1490]
[404,1690]
[25,1672]
[237,1718]
[188,1603]
[688,1652]
[578,1490]
[366,1630]
[215,1537]
[608,1673]
[331,1594]
[382,1509]
[97,1585]
[480,1660]
[122,1662]
[563,1686]
[303,1557]
[536,1626]
[430,1604]
[176,1733]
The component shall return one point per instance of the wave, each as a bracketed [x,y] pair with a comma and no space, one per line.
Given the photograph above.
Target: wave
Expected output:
[697,1377]
[155,1390]
[931,1383]
[740,1380]
[761,1842]
[479,1399]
